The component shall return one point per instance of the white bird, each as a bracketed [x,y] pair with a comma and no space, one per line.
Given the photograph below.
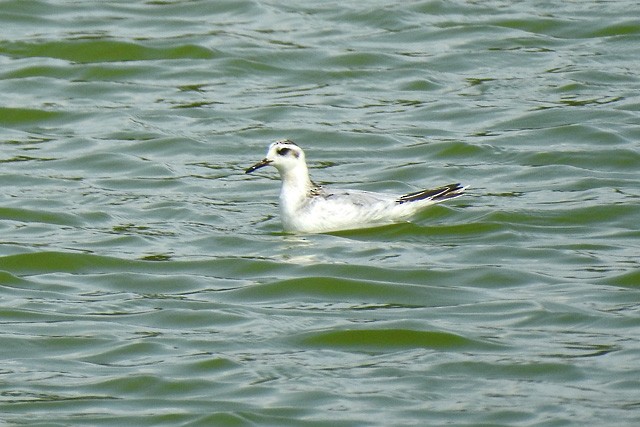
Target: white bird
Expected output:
[306,207]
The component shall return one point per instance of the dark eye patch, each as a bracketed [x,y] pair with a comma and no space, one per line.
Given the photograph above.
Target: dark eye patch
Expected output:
[283,151]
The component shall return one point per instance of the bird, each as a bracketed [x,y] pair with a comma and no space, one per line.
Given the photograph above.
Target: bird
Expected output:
[308,208]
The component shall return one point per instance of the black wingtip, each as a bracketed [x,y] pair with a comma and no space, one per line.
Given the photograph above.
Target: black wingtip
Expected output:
[437,194]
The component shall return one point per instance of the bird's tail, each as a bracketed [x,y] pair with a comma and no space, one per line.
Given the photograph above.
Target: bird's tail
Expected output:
[435,195]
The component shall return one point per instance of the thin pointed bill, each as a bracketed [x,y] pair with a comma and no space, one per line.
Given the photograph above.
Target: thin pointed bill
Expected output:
[260,164]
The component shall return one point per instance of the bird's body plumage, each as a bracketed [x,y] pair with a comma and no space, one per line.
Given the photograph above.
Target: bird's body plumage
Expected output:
[308,208]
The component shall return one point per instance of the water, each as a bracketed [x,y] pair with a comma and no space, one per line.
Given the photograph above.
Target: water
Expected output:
[145,280]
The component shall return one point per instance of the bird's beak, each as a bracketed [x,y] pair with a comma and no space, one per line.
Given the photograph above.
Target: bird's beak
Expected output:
[260,164]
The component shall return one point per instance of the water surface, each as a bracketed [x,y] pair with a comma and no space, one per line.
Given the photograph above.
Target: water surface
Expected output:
[144,279]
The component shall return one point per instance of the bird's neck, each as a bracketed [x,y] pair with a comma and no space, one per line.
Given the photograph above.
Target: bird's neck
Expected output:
[296,186]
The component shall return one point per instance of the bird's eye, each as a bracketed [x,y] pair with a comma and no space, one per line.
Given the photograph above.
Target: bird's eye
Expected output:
[283,151]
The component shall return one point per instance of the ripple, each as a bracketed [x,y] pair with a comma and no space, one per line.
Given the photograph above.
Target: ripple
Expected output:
[381,340]
[145,279]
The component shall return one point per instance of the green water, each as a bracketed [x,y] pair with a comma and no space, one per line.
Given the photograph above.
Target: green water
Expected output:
[145,280]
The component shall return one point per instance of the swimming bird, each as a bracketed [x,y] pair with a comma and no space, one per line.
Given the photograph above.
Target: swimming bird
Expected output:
[306,207]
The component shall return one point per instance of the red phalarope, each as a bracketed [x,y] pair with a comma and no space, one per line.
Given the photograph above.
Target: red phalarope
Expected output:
[306,207]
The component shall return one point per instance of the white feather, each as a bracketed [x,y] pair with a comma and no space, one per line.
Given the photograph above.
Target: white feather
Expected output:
[308,208]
